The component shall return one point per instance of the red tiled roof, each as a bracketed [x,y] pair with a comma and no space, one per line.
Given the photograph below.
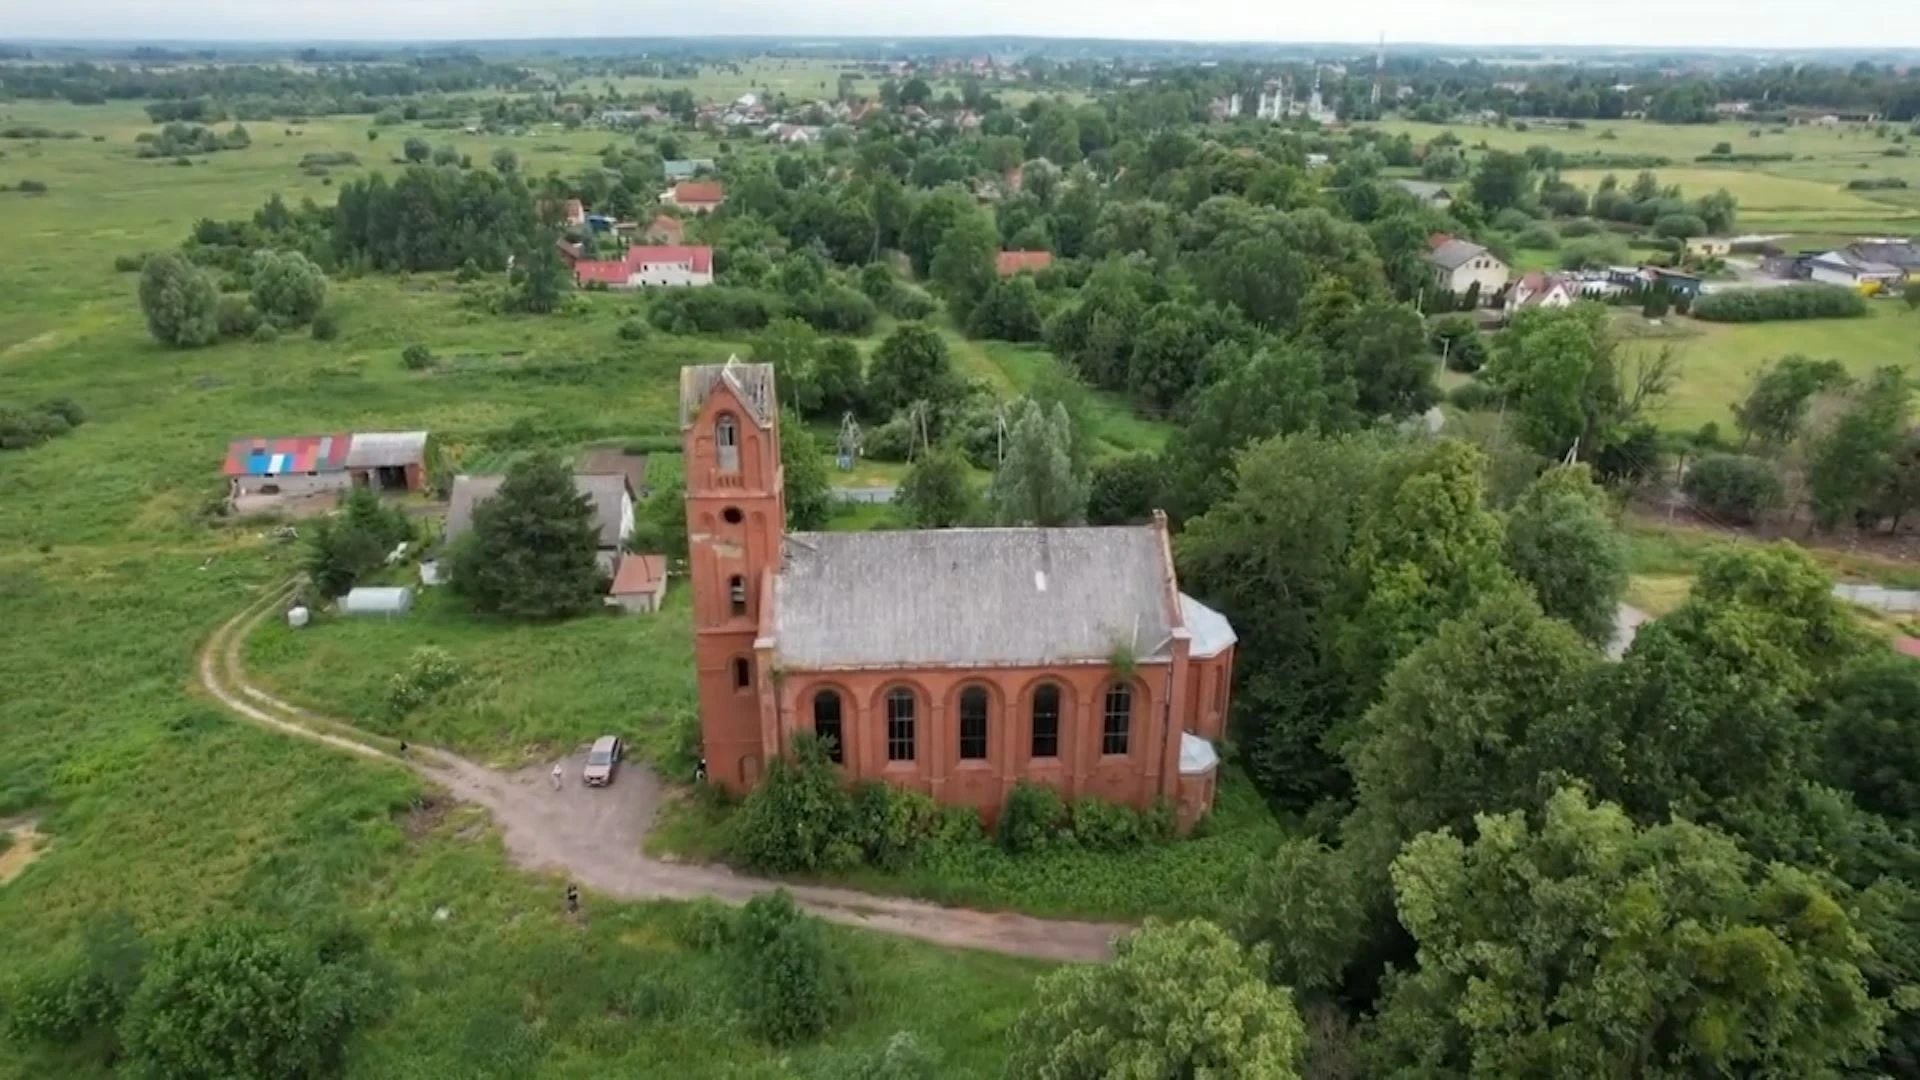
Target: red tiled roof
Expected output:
[668,226]
[1012,262]
[607,271]
[287,454]
[699,256]
[699,191]
[639,574]
[1908,645]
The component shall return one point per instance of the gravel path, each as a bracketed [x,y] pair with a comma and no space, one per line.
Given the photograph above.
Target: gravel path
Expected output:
[594,836]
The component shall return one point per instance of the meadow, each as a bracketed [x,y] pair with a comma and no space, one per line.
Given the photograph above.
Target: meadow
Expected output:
[1717,361]
[112,574]
[1805,195]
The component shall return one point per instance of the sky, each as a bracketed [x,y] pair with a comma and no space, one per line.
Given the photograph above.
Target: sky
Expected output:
[1716,23]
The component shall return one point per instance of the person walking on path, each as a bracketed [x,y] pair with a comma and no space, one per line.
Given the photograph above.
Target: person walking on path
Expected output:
[559,775]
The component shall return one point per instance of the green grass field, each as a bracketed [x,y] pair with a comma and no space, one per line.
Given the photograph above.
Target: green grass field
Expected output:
[160,804]
[1805,195]
[1717,360]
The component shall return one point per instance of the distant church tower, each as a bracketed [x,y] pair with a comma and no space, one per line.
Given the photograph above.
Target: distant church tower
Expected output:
[736,519]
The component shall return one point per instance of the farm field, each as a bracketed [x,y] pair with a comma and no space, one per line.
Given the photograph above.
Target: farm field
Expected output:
[157,803]
[1825,159]
[1717,359]
[799,79]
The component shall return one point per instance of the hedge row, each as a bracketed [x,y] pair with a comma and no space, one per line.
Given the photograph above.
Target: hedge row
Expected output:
[1810,301]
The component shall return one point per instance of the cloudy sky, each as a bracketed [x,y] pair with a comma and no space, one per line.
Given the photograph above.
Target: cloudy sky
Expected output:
[1733,23]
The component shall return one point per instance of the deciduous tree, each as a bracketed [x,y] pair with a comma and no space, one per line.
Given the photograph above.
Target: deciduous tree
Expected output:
[287,287]
[1714,965]
[1037,483]
[1561,542]
[1176,1000]
[809,494]
[935,493]
[180,301]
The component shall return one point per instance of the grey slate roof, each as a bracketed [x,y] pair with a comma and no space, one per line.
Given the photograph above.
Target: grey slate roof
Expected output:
[618,463]
[752,382]
[604,492]
[386,449]
[970,597]
[1211,631]
[1455,254]
[1906,256]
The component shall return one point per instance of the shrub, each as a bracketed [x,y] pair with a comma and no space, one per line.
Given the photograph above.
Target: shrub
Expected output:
[713,310]
[129,264]
[792,986]
[326,326]
[430,670]
[237,318]
[1472,397]
[1592,253]
[1579,227]
[31,187]
[704,925]
[469,271]
[891,824]
[1733,486]
[1100,825]
[179,301]
[1804,301]
[266,333]
[286,1006]
[891,441]
[287,287]
[82,993]
[1457,337]
[1538,237]
[1033,818]
[798,818]
[416,357]
[635,329]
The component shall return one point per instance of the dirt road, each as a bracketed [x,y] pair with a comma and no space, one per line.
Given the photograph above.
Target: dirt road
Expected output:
[593,836]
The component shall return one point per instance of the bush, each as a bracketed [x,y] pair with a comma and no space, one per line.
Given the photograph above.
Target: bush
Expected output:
[82,993]
[31,187]
[704,925]
[286,1006]
[1472,397]
[179,301]
[287,286]
[237,318]
[129,264]
[22,428]
[712,310]
[799,818]
[891,825]
[1100,825]
[1512,220]
[1033,818]
[1538,237]
[1579,227]
[1457,337]
[416,357]
[1804,301]
[1593,253]
[266,334]
[891,441]
[326,326]
[430,670]
[635,329]
[1733,486]
[792,986]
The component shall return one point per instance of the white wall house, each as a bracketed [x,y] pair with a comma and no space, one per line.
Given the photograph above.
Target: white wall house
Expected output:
[1458,265]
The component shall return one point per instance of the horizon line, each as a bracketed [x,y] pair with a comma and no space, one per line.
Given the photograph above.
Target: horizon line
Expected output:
[831,39]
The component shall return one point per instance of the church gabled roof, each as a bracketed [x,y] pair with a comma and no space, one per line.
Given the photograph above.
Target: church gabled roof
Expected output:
[751,383]
[975,597]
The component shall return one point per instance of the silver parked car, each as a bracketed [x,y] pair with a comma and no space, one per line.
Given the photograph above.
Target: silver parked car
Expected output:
[602,760]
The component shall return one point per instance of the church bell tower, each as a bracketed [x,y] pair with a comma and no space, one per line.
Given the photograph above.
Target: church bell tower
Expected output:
[736,518]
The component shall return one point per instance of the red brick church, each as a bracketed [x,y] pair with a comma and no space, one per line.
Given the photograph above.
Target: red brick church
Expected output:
[952,661]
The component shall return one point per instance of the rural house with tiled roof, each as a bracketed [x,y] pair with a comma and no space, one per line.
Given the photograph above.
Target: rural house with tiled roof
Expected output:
[954,661]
